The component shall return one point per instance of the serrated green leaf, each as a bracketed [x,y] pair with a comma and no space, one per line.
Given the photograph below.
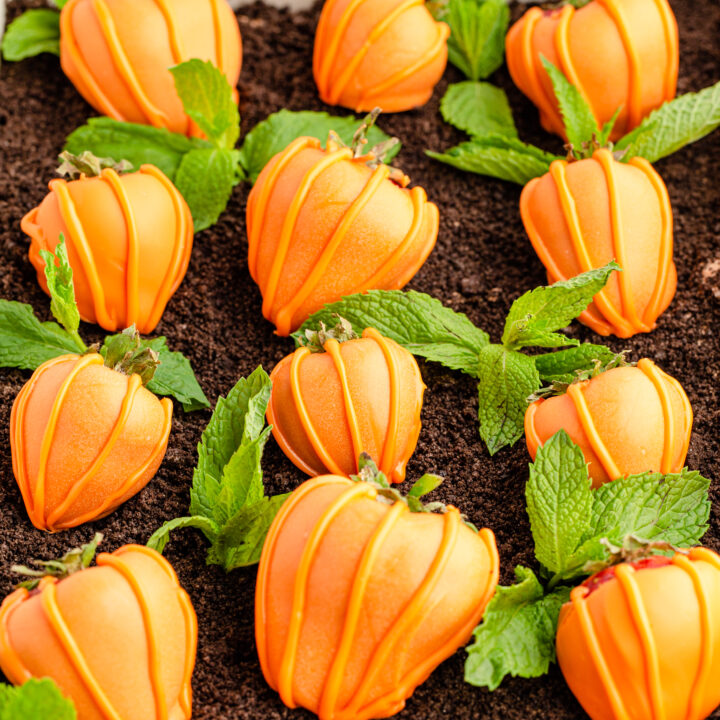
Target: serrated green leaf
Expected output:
[563,366]
[35,700]
[535,316]
[205,179]
[207,98]
[559,501]
[418,322]
[607,128]
[478,108]
[517,634]
[425,485]
[278,130]
[677,123]
[59,278]
[33,33]
[499,157]
[159,539]
[506,380]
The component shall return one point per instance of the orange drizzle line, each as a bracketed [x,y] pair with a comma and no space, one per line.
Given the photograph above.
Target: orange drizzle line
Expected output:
[287,666]
[156,683]
[335,677]
[259,208]
[652,311]
[217,27]
[625,575]
[181,249]
[319,51]
[266,561]
[656,378]
[635,79]
[687,416]
[410,613]
[531,436]
[12,666]
[596,442]
[72,651]
[284,316]
[68,212]
[558,172]
[291,218]
[393,427]
[579,602]
[671,44]
[87,79]
[707,636]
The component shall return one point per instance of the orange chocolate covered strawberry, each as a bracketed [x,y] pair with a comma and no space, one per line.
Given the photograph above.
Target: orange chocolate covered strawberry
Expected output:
[358,599]
[641,641]
[583,214]
[129,238]
[620,54]
[119,639]
[627,420]
[332,401]
[387,53]
[327,223]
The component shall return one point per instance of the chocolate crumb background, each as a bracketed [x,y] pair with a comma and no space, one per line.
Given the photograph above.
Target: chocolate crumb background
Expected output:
[482,262]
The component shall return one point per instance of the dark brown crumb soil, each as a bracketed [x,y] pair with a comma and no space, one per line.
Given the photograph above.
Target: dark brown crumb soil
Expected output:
[482,261]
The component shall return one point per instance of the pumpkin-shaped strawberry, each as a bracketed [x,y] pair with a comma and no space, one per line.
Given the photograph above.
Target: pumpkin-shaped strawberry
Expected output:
[627,420]
[128,236]
[324,223]
[641,641]
[620,54]
[583,214]
[119,639]
[386,53]
[84,439]
[118,54]
[358,599]
[361,395]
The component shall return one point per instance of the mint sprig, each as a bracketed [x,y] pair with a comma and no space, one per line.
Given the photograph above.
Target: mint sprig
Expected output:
[478,108]
[32,33]
[227,500]
[507,378]
[35,700]
[577,531]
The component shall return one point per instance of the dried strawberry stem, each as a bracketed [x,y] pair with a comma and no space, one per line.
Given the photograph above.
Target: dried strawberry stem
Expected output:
[126,354]
[88,165]
[315,340]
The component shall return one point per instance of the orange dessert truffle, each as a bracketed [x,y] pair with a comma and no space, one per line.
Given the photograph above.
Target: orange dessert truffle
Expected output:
[119,639]
[641,641]
[323,224]
[128,236]
[583,214]
[620,54]
[118,54]
[84,439]
[627,420]
[361,395]
[358,601]
[386,53]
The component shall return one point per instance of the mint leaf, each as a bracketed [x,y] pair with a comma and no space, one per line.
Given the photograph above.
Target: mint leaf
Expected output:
[160,538]
[517,634]
[35,700]
[27,343]
[205,178]
[499,157]
[604,135]
[564,365]
[208,100]
[478,109]
[535,316]
[506,380]
[677,123]
[33,33]
[418,322]
[476,45]
[278,130]
[59,278]
[559,501]
[138,144]
[580,123]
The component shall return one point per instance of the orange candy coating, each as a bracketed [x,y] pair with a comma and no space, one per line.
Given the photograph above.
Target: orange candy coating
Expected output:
[128,239]
[378,53]
[362,395]
[118,53]
[357,601]
[617,53]
[627,420]
[582,215]
[322,225]
[84,439]
[119,639]
[646,644]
